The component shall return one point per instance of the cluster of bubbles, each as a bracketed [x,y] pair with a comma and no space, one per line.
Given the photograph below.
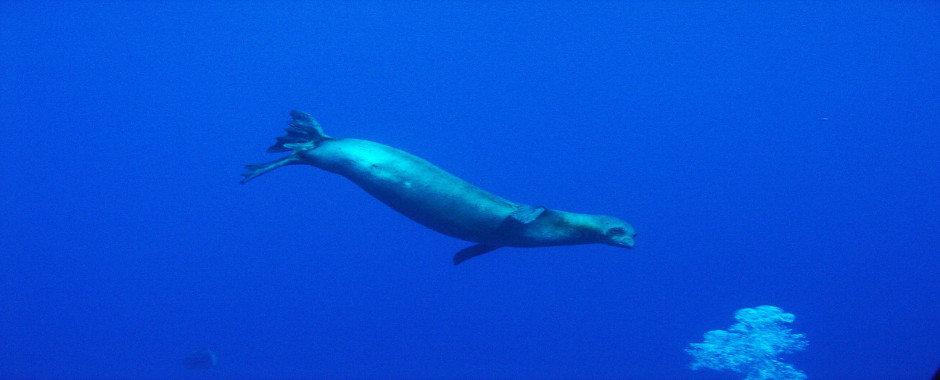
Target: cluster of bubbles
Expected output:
[752,346]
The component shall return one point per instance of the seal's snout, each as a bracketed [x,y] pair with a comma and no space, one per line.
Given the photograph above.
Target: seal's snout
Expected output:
[621,236]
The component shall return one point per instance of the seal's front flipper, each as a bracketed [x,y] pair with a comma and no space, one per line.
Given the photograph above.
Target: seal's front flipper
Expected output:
[526,214]
[472,251]
[259,169]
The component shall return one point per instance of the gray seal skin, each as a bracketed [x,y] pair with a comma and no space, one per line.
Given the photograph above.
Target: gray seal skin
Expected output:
[437,199]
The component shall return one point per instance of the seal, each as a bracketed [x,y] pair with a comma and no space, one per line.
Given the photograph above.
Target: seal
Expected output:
[437,199]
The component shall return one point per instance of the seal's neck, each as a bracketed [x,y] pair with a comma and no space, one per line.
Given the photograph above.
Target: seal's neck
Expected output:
[556,227]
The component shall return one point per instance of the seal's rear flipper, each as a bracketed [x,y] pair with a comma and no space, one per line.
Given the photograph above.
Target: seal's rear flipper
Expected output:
[264,167]
[472,251]
[302,129]
[303,133]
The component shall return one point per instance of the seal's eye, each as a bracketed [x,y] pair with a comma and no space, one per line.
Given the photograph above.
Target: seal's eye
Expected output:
[616,231]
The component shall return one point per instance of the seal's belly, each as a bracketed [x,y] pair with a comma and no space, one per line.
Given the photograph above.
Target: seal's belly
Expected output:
[415,188]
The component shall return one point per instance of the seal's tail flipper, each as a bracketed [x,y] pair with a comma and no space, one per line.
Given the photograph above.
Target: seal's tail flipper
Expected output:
[302,129]
[303,133]
[264,167]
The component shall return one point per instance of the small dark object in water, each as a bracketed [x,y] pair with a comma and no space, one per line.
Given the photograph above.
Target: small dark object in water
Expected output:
[200,360]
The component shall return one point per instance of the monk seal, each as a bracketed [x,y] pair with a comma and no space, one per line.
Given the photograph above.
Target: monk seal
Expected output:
[437,199]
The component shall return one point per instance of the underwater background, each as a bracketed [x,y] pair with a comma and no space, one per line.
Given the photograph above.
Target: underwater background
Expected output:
[767,152]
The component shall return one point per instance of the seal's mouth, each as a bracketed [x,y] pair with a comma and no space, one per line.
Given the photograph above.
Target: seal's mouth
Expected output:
[622,241]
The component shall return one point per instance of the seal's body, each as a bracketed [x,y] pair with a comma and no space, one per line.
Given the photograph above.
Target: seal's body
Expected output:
[437,199]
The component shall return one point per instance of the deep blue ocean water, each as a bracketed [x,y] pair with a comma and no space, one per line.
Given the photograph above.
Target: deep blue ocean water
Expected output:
[767,153]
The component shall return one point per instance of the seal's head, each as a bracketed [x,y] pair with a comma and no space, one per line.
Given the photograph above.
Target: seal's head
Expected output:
[594,229]
[616,232]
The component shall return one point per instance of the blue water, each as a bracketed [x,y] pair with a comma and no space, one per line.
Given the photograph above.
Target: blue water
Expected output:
[767,153]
